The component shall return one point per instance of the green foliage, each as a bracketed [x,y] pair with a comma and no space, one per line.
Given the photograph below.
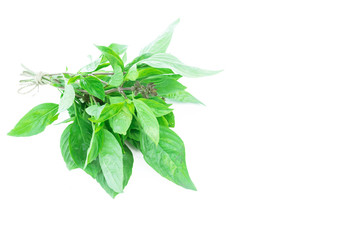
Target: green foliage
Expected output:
[112,106]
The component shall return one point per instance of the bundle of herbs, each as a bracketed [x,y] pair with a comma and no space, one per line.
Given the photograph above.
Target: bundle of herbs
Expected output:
[112,105]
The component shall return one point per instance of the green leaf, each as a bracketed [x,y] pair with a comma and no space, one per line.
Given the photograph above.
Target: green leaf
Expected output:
[111,162]
[36,120]
[132,74]
[67,99]
[170,118]
[165,84]
[182,96]
[96,142]
[128,162]
[162,121]
[161,43]
[94,110]
[120,123]
[66,121]
[157,108]
[165,60]
[80,138]
[116,63]
[118,48]
[108,112]
[64,146]
[168,157]
[147,120]
[73,79]
[93,86]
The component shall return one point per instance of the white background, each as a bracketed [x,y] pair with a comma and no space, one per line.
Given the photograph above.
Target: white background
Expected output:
[274,154]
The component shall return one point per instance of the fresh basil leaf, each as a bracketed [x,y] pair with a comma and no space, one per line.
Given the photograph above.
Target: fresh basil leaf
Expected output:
[157,108]
[93,86]
[120,123]
[137,60]
[73,79]
[96,142]
[147,120]
[162,121]
[108,112]
[118,48]
[168,157]
[36,120]
[116,63]
[111,162]
[170,118]
[94,110]
[165,60]
[64,146]
[161,43]
[67,99]
[128,162]
[80,138]
[165,84]
[132,74]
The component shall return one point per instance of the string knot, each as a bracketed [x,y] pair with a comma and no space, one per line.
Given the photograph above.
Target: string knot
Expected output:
[33,82]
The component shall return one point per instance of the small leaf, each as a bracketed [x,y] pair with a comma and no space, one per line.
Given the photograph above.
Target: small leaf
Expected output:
[93,86]
[116,63]
[36,120]
[168,157]
[65,152]
[165,60]
[128,161]
[67,99]
[132,74]
[73,79]
[157,108]
[170,118]
[94,110]
[120,123]
[147,120]
[161,43]
[108,112]
[111,162]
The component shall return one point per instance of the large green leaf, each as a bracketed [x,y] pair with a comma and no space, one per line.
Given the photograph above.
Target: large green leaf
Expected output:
[150,71]
[161,43]
[168,157]
[94,86]
[182,96]
[109,111]
[111,162]
[147,120]
[64,146]
[116,63]
[67,99]
[96,142]
[36,120]
[157,108]
[165,60]
[80,137]
[165,84]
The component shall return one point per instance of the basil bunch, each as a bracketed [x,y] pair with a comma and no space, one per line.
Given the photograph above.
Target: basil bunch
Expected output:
[112,105]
